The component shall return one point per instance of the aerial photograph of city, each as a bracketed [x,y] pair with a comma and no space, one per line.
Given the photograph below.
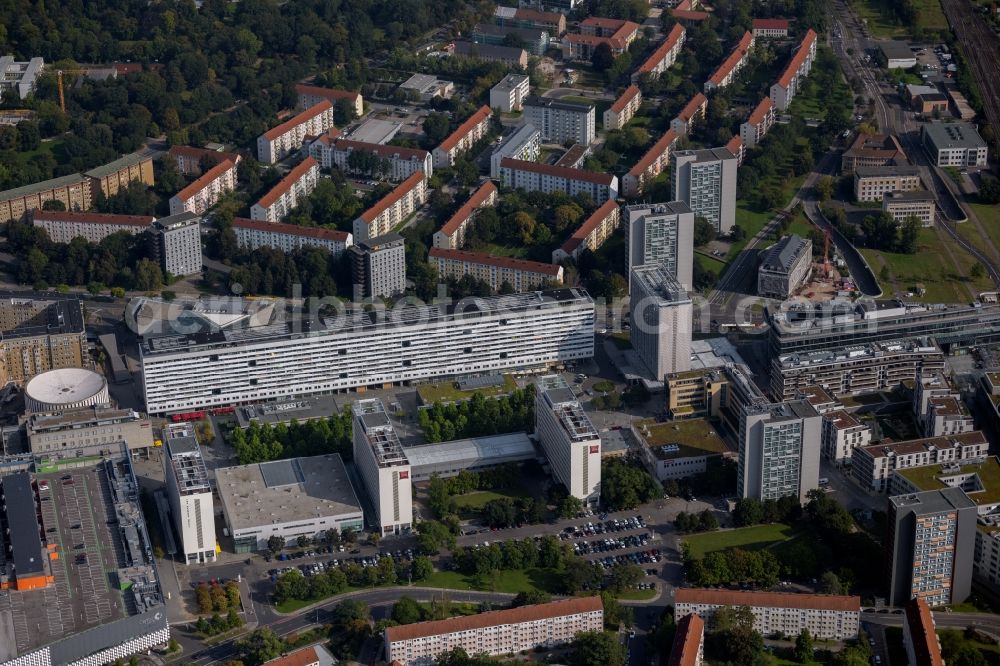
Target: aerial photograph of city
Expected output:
[494,332]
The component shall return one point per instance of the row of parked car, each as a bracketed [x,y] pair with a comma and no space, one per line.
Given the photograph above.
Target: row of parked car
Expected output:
[611,544]
[364,561]
[605,527]
[642,557]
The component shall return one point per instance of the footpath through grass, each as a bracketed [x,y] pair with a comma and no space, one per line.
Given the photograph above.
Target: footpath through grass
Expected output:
[756,537]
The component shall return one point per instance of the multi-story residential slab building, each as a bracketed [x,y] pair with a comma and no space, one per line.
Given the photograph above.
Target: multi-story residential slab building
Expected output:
[501,632]
[954,144]
[590,235]
[117,175]
[758,124]
[552,22]
[842,433]
[64,226]
[688,648]
[560,121]
[779,450]
[509,93]
[873,150]
[535,40]
[901,206]
[874,466]
[696,393]
[524,144]
[508,55]
[278,360]
[463,138]
[190,495]
[706,181]
[193,161]
[594,31]
[254,234]
[20,77]
[871,183]
[736,147]
[203,193]
[290,191]
[661,320]
[930,547]
[73,191]
[731,66]
[570,441]
[947,416]
[394,163]
[788,84]
[826,616]
[650,166]
[624,108]
[38,336]
[920,634]
[692,111]
[662,234]
[178,244]
[310,96]
[378,266]
[535,177]
[664,56]
[87,431]
[392,209]
[769,28]
[519,274]
[383,467]
[452,234]
[785,267]
[279,142]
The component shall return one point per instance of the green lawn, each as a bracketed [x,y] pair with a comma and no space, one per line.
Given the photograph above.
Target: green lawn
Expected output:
[710,263]
[513,581]
[637,595]
[621,340]
[989,217]
[750,538]
[448,391]
[881,23]
[751,222]
[298,604]
[477,500]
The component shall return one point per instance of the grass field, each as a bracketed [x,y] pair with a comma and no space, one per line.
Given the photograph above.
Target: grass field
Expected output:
[637,595]
[710,263]
[513,581]
[471,502]
[749,538]
[989,217]
[448,392]
[881,23]
[751,222]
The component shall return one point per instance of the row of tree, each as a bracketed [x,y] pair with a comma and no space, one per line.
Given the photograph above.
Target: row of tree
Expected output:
[261,442]
[441,491]
[480,416]
[625,485]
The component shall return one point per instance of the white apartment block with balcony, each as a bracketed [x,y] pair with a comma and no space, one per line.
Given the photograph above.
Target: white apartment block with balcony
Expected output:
[203,193]
[561,122]
[287,194]
[510,93]
[570,441]
[288,137]
[190,494]
[535,177]
[383,467]
[64,226]
[778,450]
[254,234]
[692,111]
[592,234]
[519,274]
[758,124]
[731,66]
[371,159]
[524,144]
[842,433]
[452,234]
[664,56]
[651,165]
[624,108]
[791,79]
[392,209]
[874,466]
[463,138]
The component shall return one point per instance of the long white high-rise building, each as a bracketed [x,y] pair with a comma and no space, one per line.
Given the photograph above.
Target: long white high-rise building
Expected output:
[662,234]
[779,450]
[570,441]
[298,357]
[383,467]
[661,320]
[190,495]
[706,181]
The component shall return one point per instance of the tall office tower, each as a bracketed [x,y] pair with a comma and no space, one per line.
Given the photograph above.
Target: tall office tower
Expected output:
[560,121]
[190,495]
[178,243]
[779,450]
[663,234]
[379,266]
[706,181]
[930,546]
[569,439]
[383,466]
[661,320]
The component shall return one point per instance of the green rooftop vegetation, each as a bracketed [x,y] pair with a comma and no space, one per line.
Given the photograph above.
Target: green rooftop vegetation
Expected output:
[449,391]
[932,478]
[692,437]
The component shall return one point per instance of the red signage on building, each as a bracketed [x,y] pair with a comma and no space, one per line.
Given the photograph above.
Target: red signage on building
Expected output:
[404,475]
[595,449]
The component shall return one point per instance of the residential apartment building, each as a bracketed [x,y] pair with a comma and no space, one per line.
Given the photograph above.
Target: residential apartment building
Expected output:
[379,266]
[498,272]
[254,234]
[692,111]
[784,89]
[64,226]
[509,93]
[117,175]
[769,28]
[706,181]
[203,193]
[462,139]
[392,209]
[871,183]
[279,142]
[826,616]
[688,648]
[178,244]
[535,177]
[758,124]
[193,161]
[383,467]
[365,348]
[73,191]
[920,634]
[570,441]
[624,108]
[452,234]
[394,163]
[87,431]
[19,77]
[294,188]
[736,147]
[930,546]
[664,56]
[552,22]
[594,31]
[947,416]
[873,150]
[190,494]
[786,266]
[779,449]
[559,121]
[661,315]
[662,234]
[38,336]
[496,633]
[731,66]
[650,166]
[314,655]
[874,466]
[901,206]
[507,55]
[590,235]
[310,96]
[534,40]
[842,433]
[524,144]
[954,144]
[926,386]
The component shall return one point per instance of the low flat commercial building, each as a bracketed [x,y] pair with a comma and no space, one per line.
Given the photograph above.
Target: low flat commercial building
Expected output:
[706,181]
[507,55]
[534,40]
[378,266]
[287,499]
[778,452]
[64,226]
[692,111]
[788,84]
[88,431]
[759,123]
[383,466]
[509,93]
[524,144]
[119,174]
[896,55]
[452,234]
[392,209]
[874,466]
[310,96]
[954,144]
[826,616]
[842,433]
[570,441]
[462,139]
[426,87]
[873,150]
[661,313]
[190,495]
[178,244]
[292,190]
[498,272]
[920,634]
[502,632]
[651,165]
[559,121]
[203,193]
[769,28]
[394,163]
[72,191]
[786,266]
[675,450]
[20,77]
[280,141]
[731,66]
[623,109]
[253,234]
[535,177]
[664,56]
[920,204]
[871,183]
[688,648]
[475,454]
[592,234]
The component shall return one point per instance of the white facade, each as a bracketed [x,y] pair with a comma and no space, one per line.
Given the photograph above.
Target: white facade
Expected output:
[392,209]
[784,89]
[252,234]
[203,193]
[901,206]
[691,112]
[64,226]
[310,96]
[779,450]
[661,320]
[592,234]
[520,274]
[651,165]
[510,93]
[524,144]
[383,467]
[363,349]
[570,441]
[560,122]
[190,495]
[379,266]
[535,177]
[842,433]
[662,234]
[624,108]
[19,76]
[278,142]
[399,163]
[287,194]
[874,466]
[452,234]
[664,56]
[706,181]
[758,124]
[463,138]
[732,65]
[179,244]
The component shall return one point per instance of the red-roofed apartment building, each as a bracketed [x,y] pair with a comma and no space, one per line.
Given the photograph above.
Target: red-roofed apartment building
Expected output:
[310,96]
[536,177]
[287,194]
[400,163]
[692,111]
[920,635]
[392,208]
[769,28]
[452,234]
[784,89]
[278,142]
[664,56]
[463,138]
[190,159]
[314,655]
[520,274]
[254,234]
[736,147]
[202,194]
[689,642]
[594,31]
[650,166]
[826,616]
[758,124]
[64,226]
[627,105]
[731,66]
[591,234]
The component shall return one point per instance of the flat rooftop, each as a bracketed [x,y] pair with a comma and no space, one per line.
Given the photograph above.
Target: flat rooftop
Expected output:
[188,465]
[374,130]
[935,477]
[377,429]
[873,351]
[273,413]
[713,353]
[954,135]
[53,318]
[686,438]
[512,446]
[285,491]
[567,409]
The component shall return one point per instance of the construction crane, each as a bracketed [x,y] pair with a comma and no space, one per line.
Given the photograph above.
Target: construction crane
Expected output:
[826,253]
[59,78]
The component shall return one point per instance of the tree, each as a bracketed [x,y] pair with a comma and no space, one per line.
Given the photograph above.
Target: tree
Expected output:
[148,276]
[602,58]
[374,538]
[570,506]
[989,191]
[748,511]
[625,576]
[804,647]
[597,648]
[824,187]
[830,583]
[260,646]
[530,598]
[406,611]
[704,232]
[735,636]
[302,541]
[422,567]
[291,585]
[275,544]
[626,486]
[977,271]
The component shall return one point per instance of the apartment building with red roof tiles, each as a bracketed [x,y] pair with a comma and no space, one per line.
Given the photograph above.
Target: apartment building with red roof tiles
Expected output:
[314,655]
[623,109]
[64,226]
[392,209]
[255,234]
[649,166]
[536,177]
[689,642]
[769,28]
[591,234]
[594,31]
[736,147]
[664,56]
[730,67]
[920,635]
[394,163]
[452,234]
[310,96]
[463,138]
[693,110]
[202,194]
[520,274]
[288,137]
[189,159]
[288,193]
[784,89]
[759,123]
